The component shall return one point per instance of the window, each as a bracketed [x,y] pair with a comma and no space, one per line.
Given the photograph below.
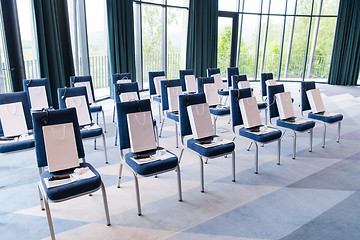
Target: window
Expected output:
[5,76]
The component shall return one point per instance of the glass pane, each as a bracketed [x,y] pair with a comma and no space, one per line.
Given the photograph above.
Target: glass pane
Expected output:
[151,40]
[97,42]
[27,39]
[180,3]
[278,6]
[176,41]
[287,47]
[264,19]
[290,7]
[273,43]
[228,5]
[248,45]
[5,77]
[323,50]
[224,44]
[304,7]
[155,1]
[252,6]
[265,8]
[330,7]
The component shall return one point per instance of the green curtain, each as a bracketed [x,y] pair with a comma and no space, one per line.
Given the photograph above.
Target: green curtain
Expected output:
[54,43]
[120,18]
[345,60]
[201,49]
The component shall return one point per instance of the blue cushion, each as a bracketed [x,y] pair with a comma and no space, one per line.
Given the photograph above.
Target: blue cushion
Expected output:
[95,108]
[266,137]
[212,151]
[294,126]
[223,92]
[88,133]
[262,105]
[328,119]
[152,167]
[71,189]
[173,115]
[17,146]
[157,99]
[220,111]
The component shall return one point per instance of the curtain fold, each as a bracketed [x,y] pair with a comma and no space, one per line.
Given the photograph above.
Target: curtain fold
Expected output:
[345,60]
[13,43]
[201,49]
[120,19]
[54,43]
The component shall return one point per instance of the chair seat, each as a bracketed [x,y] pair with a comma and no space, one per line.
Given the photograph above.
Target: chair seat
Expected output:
[326,118]
[267,136]
[220,111]
[300,126]
[17,146]
[95,108]
[211,151]
[223,92]
[261,105]
[173,115]
[72,189]
[93,131]
[157,99]
[151,167]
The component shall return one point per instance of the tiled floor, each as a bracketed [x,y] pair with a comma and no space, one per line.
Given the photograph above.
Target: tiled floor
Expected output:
[315,196]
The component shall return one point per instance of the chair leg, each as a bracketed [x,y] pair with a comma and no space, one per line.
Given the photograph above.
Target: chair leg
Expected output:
[181,154]
[324,135]
[41,198]
[157,135]
[215,118]
[266,116]
[161,128]
[338,132]
[94,143]
[120,174]
[105,150]
[294,146]
[176,135]
[116,134]
[103,116]
[233,166]
[311,139]
[279,150]
[105,204]
[137,193]
[48,215]
[97,118]
[248,149]
[256,158]
[202,174]
[114,113]
[179,182]
[159,112]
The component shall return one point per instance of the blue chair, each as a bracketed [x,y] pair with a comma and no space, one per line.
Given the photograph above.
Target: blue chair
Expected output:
[235,79]
[38,83]
[94,108]
[182,74]
[152,90]
[319,117]
[11,145]
[263,79]
[165,106]
[212,71]
[194,144]
[236,117]
[305,126]
[115,78]
[92,131]
[216,112]
[231,71]
[71,190]
[147,169]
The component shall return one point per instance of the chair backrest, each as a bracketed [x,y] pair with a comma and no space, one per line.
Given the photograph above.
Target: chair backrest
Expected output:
[264,77]
[74,79]
[123,108]
[164,95]
[6,98]
[64,93]
[235,79]
[305,86]
[120,76]
[38,83]
[182,74]
[203,80]
[120,88]
[272,90]
[235,96]
[211,71]
[231,71]
[151,80]
[186,100]
[54,117]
